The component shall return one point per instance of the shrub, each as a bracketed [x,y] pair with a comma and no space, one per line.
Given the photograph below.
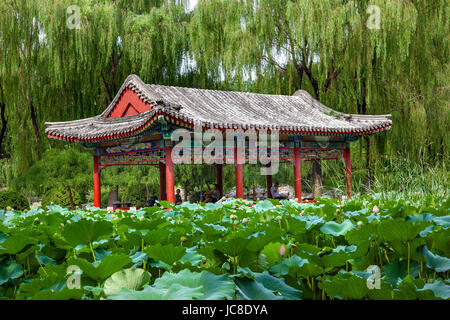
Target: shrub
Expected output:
[195,197]
[60,196]
[14,200]
[136,194]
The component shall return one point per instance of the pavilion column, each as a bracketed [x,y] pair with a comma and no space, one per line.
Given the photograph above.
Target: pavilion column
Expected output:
[269,183]
[97,186]
[348,171]
[297,175]
[219,178]
[239,176]
[170,179]
[162,181]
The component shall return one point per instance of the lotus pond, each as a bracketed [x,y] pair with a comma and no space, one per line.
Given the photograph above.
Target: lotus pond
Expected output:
[368,247]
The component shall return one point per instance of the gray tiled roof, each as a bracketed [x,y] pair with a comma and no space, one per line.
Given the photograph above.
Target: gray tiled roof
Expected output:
[299,113]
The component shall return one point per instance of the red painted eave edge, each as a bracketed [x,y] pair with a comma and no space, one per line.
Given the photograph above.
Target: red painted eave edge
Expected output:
[63,138]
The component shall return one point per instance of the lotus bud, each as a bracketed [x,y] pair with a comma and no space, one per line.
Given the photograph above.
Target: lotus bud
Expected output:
[278,218]
[169,218]
[376,210]
[183,239]
[293,246]
[282,250]
[245,220]
[302,213]
[233,217]
[6,215]
[359,223]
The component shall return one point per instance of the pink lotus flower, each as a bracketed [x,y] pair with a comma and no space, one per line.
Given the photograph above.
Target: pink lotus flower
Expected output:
[375,209]
[282,250]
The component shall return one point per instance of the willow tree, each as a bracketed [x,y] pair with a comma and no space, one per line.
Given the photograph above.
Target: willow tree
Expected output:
[21,68]
[65,60]
[3,119]
[349,54]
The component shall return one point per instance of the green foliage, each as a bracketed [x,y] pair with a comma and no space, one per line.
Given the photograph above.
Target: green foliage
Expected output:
[132,279]
[60,196]
[14,200]
[58,169]
[194,251]
[86,231]
[136,194]
[267,46]
[10,271]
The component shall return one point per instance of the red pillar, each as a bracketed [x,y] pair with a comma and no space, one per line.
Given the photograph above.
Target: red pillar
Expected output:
[219,178]
[269,184]
[348,171]
[239,176]
[97,187]
[162,181]
[297,175]
[170,179]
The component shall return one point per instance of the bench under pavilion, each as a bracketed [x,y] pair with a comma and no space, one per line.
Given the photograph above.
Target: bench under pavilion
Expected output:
[136,129]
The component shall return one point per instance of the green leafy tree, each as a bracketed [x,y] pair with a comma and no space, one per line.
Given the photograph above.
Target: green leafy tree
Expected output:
[69,170]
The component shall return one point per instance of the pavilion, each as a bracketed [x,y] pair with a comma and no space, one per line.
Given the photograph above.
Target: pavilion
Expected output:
[136,128]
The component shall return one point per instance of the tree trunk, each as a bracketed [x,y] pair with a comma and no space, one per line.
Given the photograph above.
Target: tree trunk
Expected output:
[369,166]
[113,196]
[110,85]
[3,118]
[317,178]
[36,130]
[33,115]
[362,109]
[185,192]
[254,193]
[4,123]
[147,192]
[72,205]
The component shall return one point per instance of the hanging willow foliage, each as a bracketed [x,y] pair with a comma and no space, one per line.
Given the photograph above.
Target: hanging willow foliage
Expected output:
[63,73]
[399,68]
[50,72]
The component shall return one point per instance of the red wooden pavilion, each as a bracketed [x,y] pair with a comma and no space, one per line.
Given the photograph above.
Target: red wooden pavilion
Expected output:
[137,126]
